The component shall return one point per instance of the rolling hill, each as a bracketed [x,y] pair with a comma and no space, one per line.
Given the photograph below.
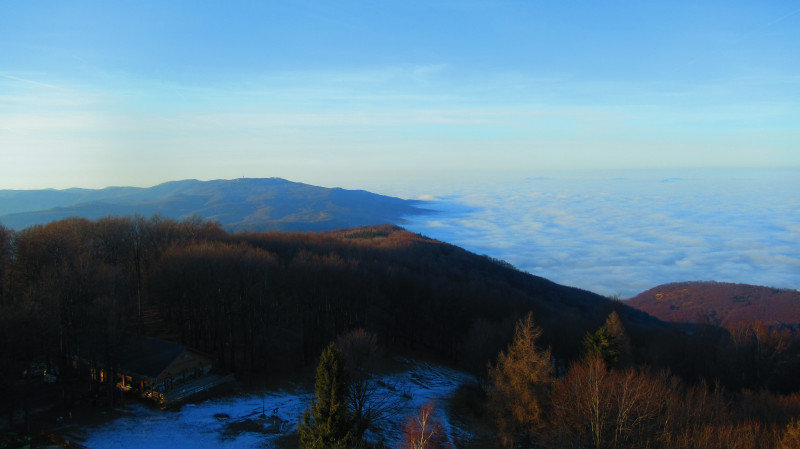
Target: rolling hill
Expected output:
[720,303]
[271,204]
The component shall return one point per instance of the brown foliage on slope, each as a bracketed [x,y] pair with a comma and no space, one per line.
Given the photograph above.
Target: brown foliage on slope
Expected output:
[596,406]
[720,303]
[520,386]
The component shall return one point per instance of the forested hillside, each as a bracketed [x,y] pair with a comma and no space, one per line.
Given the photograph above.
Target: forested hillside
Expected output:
[269,302]
[720,303]
[274,299]
[261,204]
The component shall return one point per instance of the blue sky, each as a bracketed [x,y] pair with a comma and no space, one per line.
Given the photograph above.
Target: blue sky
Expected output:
[345,93]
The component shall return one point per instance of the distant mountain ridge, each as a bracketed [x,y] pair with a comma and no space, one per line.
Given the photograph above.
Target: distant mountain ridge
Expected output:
[245,204]
[720,303]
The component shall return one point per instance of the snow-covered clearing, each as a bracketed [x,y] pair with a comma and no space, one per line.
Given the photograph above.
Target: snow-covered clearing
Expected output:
[235,421]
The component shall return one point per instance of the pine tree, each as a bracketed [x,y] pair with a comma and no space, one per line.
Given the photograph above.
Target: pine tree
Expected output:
[326,423]
[601,344]
[610,342]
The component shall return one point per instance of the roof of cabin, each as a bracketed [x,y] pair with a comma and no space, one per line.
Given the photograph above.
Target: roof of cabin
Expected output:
[134,354]
[147,356]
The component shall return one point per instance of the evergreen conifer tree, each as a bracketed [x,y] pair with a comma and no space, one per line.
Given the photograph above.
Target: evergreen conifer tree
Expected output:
[610,342]
[326,423]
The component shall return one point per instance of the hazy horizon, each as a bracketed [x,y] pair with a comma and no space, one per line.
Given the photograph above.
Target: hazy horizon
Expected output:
[620,232]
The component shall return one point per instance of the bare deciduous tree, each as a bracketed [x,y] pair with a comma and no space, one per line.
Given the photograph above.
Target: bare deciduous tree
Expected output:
[423,430]
[601,408]
[372,407]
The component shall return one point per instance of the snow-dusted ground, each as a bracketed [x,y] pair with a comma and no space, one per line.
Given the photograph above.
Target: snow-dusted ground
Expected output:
[422,383]
[232,421]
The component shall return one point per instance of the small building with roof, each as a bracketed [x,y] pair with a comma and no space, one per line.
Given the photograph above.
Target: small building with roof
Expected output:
[165,371]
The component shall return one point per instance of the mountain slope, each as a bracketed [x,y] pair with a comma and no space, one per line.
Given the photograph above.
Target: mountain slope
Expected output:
[721,303]
[238,205]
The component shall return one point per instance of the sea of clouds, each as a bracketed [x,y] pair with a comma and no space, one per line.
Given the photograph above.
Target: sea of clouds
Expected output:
[620,233]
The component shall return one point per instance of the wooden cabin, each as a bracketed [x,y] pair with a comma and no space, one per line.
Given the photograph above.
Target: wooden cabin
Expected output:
[153,368]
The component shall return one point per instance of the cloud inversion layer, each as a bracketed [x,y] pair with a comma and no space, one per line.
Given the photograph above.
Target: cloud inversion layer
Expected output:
[623,235]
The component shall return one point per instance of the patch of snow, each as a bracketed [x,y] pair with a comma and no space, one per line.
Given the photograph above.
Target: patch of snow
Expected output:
[208,424]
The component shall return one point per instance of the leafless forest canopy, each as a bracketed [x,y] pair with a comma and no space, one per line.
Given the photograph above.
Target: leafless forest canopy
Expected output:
[607,375]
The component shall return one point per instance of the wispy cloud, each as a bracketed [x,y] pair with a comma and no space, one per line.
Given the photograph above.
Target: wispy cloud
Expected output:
[28,81]
[26,92]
